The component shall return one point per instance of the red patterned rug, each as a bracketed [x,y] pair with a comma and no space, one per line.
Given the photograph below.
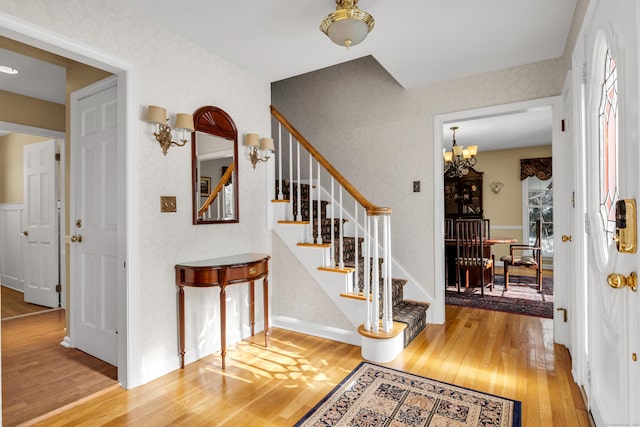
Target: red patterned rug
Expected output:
[522,297]
[373,395]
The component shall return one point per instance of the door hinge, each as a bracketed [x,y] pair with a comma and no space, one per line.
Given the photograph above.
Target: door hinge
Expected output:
[58,288]
[562,124]
[573,199]
[586,224]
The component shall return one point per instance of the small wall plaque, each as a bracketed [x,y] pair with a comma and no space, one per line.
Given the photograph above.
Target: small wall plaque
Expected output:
[168,203]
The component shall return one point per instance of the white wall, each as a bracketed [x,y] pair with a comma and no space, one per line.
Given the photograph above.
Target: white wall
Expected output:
[356,114]
[181,76]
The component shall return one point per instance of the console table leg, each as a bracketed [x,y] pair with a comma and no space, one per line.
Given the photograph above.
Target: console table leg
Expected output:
[252,318]
[181,328]
[265,292]
[223,323]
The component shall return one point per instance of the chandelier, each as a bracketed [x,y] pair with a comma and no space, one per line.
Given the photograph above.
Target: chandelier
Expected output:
[348,25]
[458,161]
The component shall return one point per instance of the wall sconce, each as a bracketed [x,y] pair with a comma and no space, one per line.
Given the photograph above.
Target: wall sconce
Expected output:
[158,116]
[255,144]
[496,186]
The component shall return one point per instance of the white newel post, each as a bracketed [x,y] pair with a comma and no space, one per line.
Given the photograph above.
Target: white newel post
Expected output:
[375,283]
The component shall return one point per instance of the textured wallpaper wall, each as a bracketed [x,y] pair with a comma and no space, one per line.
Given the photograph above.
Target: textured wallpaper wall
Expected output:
[356,114]
[181,76]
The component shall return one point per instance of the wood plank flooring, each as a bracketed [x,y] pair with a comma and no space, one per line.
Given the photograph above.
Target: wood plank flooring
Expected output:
[504,354]
[38,374]
[13,304]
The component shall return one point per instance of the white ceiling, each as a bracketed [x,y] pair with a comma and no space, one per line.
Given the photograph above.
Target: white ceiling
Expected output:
[523,128]
[417,41]
[35,78]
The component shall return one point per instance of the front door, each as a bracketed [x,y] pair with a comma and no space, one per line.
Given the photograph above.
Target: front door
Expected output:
[40,224]
[94,223]
[611,116]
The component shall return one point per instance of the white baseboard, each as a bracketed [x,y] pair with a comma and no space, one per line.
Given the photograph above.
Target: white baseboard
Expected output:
[317,330]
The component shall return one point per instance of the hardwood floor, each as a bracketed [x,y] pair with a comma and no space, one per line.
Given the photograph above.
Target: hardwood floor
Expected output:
[504,354]
[38,374]
[13,304]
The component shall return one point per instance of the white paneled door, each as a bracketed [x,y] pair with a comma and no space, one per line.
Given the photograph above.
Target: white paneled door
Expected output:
[40,251]
[94,224]
[611,116]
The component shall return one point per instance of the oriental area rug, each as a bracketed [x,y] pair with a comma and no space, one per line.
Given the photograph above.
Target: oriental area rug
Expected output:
[374,395]
[522,297]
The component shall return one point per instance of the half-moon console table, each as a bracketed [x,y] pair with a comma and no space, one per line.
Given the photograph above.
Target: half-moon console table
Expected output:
[222,272]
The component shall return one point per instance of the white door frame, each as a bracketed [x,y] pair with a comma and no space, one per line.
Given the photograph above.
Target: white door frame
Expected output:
[29,33]
[58,136]
[438,178]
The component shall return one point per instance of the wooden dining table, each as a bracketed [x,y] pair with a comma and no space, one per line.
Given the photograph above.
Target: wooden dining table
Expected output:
[450,258]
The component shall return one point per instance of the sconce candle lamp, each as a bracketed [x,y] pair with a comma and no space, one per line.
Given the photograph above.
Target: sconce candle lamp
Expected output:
[255,144]
[158,116]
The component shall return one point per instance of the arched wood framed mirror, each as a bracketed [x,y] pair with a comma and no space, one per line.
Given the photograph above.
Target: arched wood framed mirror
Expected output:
[214,167]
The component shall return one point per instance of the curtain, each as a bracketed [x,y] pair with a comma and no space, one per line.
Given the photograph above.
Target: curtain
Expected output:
[540,168]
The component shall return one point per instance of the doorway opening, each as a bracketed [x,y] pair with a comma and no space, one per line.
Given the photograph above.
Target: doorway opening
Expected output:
[491,125]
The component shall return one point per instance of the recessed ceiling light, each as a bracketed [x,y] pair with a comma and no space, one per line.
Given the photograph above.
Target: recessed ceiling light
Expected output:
[8,70]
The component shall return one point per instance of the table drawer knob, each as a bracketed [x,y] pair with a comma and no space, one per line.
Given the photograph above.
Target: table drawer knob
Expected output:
[252,270]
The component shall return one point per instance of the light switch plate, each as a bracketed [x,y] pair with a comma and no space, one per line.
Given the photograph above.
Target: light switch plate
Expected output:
[168,203]
[416,186]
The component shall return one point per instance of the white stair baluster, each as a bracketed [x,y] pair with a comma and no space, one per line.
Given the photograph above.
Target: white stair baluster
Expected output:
[291,176]
[333,242]
[298,216]
[319,228]
[367,272]
[387,303]
[310,227]
[340,236]
[356,274]
[279,197]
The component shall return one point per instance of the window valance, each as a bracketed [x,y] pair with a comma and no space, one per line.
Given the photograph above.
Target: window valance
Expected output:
[540,168]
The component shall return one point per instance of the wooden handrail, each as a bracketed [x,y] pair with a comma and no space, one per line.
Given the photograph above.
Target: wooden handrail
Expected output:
[214,193]
[372,210]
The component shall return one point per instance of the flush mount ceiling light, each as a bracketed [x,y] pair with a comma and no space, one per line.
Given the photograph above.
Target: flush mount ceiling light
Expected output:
[8,70]
[348,25]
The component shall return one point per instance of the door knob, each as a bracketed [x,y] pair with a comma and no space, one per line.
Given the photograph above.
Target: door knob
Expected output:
[25,233]
[618,281]
[566,238]
[77,238]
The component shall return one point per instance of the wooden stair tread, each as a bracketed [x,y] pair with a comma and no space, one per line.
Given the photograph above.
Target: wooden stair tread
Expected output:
[315,245]
[337,269]
[284,221]
[398,328]
[280,201]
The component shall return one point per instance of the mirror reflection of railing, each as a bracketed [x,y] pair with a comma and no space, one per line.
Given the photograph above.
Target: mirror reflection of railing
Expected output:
[214,164]
[224,207]
[297,169]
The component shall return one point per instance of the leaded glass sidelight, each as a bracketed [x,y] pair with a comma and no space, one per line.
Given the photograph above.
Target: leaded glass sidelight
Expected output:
[608,150]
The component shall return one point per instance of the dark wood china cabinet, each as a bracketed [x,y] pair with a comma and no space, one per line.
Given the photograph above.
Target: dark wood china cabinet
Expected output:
[463,196]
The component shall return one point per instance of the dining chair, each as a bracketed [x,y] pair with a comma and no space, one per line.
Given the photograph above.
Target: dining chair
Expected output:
[470,252]
[449,231]
[529,256]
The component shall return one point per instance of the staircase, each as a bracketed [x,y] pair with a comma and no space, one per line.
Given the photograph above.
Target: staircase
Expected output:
[340,251]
